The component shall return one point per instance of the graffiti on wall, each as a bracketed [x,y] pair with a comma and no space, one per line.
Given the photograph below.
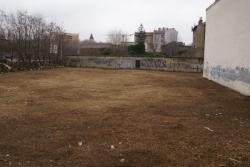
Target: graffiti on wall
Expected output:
[228,74]
[103,61]
[216,72]
[167,64]
[154,63]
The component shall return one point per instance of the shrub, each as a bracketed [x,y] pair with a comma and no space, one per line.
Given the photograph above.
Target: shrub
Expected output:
[107,52]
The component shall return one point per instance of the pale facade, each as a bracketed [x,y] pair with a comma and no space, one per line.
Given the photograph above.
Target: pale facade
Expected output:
[154,41]
[171,35]
[69,43]
[159,39]
[227,51]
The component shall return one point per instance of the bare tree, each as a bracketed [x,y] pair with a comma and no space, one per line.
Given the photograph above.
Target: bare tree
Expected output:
[29,39]
[117,37]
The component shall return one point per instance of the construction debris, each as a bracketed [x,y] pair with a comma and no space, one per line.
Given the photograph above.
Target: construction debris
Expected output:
[112,147]
[209,129]
[80,143]
[4,67]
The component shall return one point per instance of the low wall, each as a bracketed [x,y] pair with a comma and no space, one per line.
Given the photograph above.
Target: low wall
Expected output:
[166,64]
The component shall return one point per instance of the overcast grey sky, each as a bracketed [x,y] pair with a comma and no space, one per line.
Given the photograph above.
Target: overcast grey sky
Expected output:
[101,16]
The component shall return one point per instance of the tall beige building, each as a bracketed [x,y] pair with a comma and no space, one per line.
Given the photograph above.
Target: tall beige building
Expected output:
[199,32]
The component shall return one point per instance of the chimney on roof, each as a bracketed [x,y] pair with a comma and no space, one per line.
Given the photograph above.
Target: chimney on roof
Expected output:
[201,20]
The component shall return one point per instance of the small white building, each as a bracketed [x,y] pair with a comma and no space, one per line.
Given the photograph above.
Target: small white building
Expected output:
[227,44]
[171,35]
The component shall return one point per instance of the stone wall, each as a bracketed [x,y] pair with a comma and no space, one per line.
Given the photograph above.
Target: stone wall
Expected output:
[166,64]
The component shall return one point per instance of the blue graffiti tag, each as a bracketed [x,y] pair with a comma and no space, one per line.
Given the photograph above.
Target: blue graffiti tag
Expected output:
[215,72]
[228,74]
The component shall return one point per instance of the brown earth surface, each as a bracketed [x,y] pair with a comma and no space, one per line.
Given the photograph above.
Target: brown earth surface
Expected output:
[120,118]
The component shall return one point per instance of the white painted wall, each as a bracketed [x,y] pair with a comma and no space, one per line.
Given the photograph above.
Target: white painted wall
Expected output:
[171,35]
[227,45]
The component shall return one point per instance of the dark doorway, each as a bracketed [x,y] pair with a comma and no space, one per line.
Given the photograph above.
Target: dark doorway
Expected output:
[137,64]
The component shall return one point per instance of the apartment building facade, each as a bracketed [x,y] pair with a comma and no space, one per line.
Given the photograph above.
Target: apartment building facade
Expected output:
[154,41]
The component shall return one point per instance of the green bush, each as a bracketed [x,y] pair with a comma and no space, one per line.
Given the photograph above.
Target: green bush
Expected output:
[136,49]
[107,52]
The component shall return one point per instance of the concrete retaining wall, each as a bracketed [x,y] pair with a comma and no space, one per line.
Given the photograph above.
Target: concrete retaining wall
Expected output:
[166,64]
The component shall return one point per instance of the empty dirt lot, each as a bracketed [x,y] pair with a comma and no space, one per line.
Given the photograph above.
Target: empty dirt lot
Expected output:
[120,118]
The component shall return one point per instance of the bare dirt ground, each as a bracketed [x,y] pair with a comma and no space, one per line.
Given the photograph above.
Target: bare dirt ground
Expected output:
[123,118]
